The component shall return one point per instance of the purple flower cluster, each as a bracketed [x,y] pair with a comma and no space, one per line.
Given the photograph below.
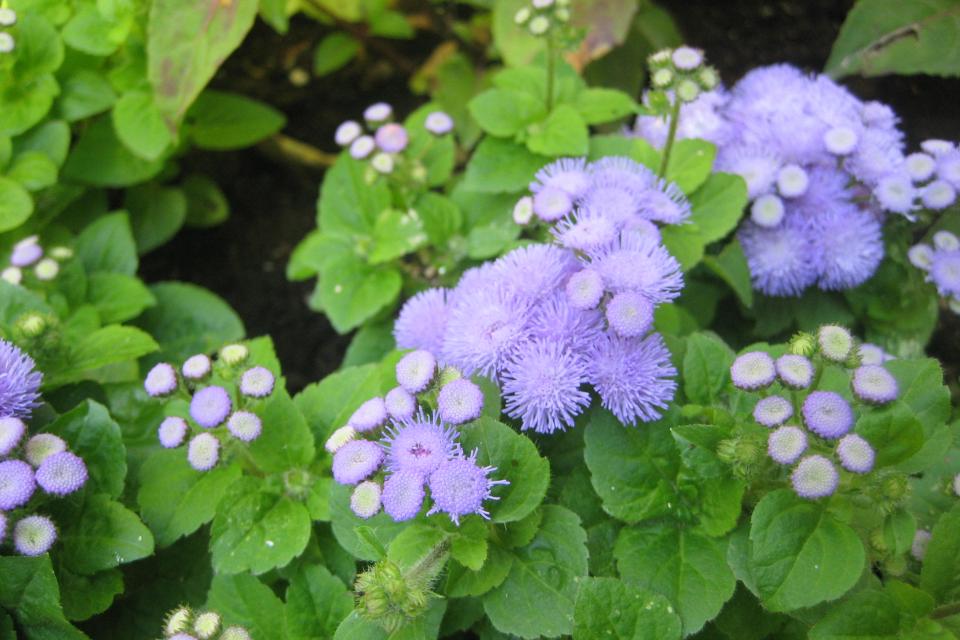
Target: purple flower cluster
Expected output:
[29,254]
[941,261]
[19,381]
[546,320]
[383,140]
[824,419]
[27,464]
[417,450]
[215,410]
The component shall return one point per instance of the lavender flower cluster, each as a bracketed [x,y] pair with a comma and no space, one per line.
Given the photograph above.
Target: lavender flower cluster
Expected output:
[417,449]
[545,320]
[26,463]
[29,253]
[941,261]
[217,411]
[183,623]
[820,418]
[386,140]
[822,169]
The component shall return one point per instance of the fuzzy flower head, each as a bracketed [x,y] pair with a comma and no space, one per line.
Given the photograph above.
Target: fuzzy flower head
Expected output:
[542,387]
[12,431]
[356,460]
[419,445]
[245,426]
[206,625]
[17,484]
[767,211]
[340,437]
[161,380]
[34,535]
[3,526]
[392,138]
[62,474]
[630,314]
[365,499]
[203,451]
[814,477]
[210,406]
[636,263]
[533,272]
[19,382]
[786,444]
[633,376]
[773,411]
[918,549]
[196,367]
[403,495]
[550,204]
[945,273]
[42,446]
[347,132]
[400,403]
[827,414]
[171,432]
[585,289]
[855,453]
[483,329]
[566,174]
[438,123]
[938,194]
[835,342]
[848,244]
[234,354]
[664,202]
[26,252]
[369,416]
[459,401]
[257,382]
[794,371]
[585,230]
[874,384]
[416,370]
[422,321]
[752,371]
[459,487]
[872,354]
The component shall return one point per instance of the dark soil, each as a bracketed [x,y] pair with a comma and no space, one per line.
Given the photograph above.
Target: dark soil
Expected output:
[273,203]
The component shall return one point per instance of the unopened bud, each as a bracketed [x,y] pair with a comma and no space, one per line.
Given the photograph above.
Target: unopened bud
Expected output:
[234,354]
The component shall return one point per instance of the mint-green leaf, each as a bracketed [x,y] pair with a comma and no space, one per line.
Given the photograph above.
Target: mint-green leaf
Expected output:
[29,591]
[690,163]
[563,133]
[869,614]
[499,165]
[100,159]
[104,535]
[103,346]
[348,205]
[940,574]
[462,582]
[206,204]
[317,602]
[140,125]
[607,608]
[90,32]
[505,112]
[156,214]
[33,170]
[731,265]
[286,442]
[220,120]
[118,297]
[599,105]
[706,368]
[16,205]
[334,52]
[893,431]
[85,93]
[395,234]
[440,216]
[52,139]
[107,245]
[86,596]
[352,292]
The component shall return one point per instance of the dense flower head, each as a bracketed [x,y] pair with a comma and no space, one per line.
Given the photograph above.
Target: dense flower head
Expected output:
[872,383]
[483,330]
[438,123]
[403,495]
[400,403]
[855,453]
[872,354]
[637,263]
[340,437]
[210,406]
[941,262]
[835,342]
[786,444]
[849,247]
[370,415]
[633,376]
[161,380]
[17,484]
[814,477]
[585,289]
[416,370]
[752,371]
[62,473]
[203,452]
[245,425]
[257,382]
[567,174]
[459,487]
[794,371]
[459,401]
[542,386]
[630,314]
[34,535]
[196,367]
[773,411]
[26,252]
[781,259]
[19,382]
[42,446]
[392,137]
[3,526]
[533,272]
[12,431]
[365,499]
[827,414]
[356,460]
[419,445]
[172,431]
[422,321]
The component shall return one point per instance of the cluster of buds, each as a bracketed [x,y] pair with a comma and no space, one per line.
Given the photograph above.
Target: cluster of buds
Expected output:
[682,73]
[383,141]
[8,18]
[541,17]
[183,623]
[221,396]
[941,262]
[28,257]
[416,448]
[807,432]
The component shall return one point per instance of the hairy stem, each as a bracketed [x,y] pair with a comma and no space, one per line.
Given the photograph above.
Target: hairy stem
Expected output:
[551,70]
[671,136]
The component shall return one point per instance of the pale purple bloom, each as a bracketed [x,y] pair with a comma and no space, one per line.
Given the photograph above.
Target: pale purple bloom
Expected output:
[781,261]
[557,320]
[171,432]
[814,477]
[400,403]
[841,141]
[392,138]
[945,273]
[203,451]
[62,473]
[369,416]
[419,445]
[786,444]
[896,193]
[12,431]
[210,406]
[438,123]
[356,460]
[633,376]
[403,495]
[702,118]
[629,314]
[585,230]
[567,174]
[542,387]
[585,289]
[827,414]
[948,167]
[34,535]
[17,484]
[944,240]
[482,330]
[855,453]
[835,342]
[921,256]
[918,548]
[874,384]
[347,132]
[416,370]
[535,271]
[758,166]
[245,426]
[422,321]
[196,367]
[687,58]
[42,446]
[849,244]
[772,411]
[257,382]
[365,499]
[551,203]
[378,112]
[3,526]
[767,211]
[638,264]
[664,202]
[26,252]
[920,166]
[19,382]
[459,487]
[161,380]
[872,354]
[794,371]
[362,147]
[938,194]
[459,401]
[752,371]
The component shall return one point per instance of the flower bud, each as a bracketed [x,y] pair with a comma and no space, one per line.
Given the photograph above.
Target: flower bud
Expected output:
[177,621]
[234,354]
[802,344]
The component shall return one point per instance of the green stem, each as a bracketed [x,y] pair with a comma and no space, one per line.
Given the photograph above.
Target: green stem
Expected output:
[945,611]
[551,71]
[671,136]
[428,567]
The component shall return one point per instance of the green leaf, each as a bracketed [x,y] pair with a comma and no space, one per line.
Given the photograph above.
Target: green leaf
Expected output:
[514,42]
[156,214]
[243,600]
[107,245]
[940,574]
[413,544]
[85,596]
[104,346]
[286,442]
[436,154]
[440,216]
[800,555]
[690,163]
[469,545]
[463,582]
[39,49]
[101,160]
[345,524]
[516,460]
[599,105]
[425,627]
[52,139]
[104,535]
[395,234]
[85,93]
[893,432]
[206,204]
[632,469]
[118,297]
[175,499]
[33,170]
[221,121]
[683,565]
[607,608]
[24,105]
[352,292]
[140,126]
[563,133]
[316,604]
[731,265]
[186,43]
[88,31]
[706,368]
[93,435]
[886,36]
[537,598]
[16,205]
[499,165]
[189,319]
[334,52]
[869,614]
[505,112]
[390,24]
[29,591]
[348,205]
[255,530]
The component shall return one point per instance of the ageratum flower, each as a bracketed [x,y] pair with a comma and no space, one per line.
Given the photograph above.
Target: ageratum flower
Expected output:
[533,272]
[34,535]
[356,460]
[483,329]
[62,474]
[365,499]
[12,431]
[794,371]
[210,406]
[340,437]
[257,382]
[415,371]
[403,495]
[630,314]
[835,342]
[459,487]
[203,452]
[542,386]
[172,431]
[773,411]
[874,384]
[786,444]
[370,415]
[196,367]
[752,371]
[161,380]
[400,403]
[633,376]
[636,263]
[17,484]
[855,453]
[419,445]
[566,174]
[42,446]
[19,382]
[422,321]
[459,401]
[245,426]
[827,414]
[438,123]
[585,289]
[814,477]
